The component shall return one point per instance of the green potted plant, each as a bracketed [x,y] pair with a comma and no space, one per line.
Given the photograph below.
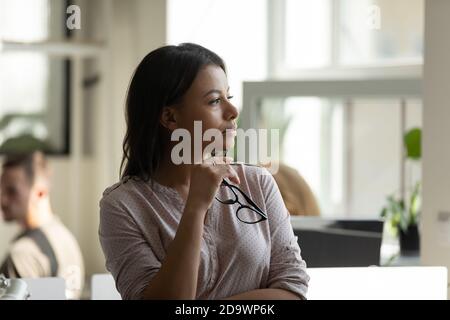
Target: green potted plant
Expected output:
[403,213]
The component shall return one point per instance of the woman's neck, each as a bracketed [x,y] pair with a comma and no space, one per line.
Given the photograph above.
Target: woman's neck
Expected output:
[174,176]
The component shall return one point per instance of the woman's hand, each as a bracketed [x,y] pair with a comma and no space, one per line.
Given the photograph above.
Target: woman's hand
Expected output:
[206,179]
[178,276]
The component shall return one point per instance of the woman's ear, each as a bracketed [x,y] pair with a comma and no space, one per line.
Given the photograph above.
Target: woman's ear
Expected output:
[168,118]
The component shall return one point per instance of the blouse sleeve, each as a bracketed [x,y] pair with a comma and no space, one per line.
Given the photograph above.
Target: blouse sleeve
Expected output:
[129,257]
[287,268]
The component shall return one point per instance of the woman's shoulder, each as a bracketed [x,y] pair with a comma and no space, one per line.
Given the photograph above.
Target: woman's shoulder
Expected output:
[253,174]
[121,190]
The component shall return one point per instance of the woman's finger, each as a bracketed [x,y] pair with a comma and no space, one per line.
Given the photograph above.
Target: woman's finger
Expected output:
[232,175]
[222,167]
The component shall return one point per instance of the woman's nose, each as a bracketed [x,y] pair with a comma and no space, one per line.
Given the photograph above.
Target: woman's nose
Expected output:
[231,111]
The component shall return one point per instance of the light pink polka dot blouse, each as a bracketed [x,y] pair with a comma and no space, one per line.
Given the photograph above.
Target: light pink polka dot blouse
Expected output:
[138,222]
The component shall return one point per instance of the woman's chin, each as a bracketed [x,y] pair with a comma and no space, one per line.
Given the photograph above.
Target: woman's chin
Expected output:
[228,144]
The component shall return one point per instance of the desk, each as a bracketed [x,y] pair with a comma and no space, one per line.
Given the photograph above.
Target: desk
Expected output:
[384,283]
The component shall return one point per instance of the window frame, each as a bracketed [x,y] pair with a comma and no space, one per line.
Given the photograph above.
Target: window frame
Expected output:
[277,69]
[70,49]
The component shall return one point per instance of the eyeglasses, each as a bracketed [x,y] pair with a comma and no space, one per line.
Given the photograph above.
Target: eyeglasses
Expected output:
[249,214]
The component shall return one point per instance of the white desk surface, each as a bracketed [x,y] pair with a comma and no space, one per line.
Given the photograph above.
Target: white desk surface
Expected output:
[378,283]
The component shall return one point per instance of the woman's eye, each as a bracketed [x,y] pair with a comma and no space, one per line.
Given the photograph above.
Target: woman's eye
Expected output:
[215,101]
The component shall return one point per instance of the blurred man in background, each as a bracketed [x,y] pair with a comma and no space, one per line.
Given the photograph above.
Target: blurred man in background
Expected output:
[45,247]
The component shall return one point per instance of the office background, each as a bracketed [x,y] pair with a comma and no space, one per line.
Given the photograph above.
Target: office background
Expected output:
[261,41]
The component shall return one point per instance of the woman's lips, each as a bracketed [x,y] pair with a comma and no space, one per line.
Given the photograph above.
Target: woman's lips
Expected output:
[232,132]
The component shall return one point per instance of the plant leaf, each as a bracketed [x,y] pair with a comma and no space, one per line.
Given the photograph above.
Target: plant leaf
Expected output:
[383,213]
[415,204]
[413,146]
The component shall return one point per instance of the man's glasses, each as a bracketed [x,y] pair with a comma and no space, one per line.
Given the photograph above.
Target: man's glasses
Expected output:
[247,213]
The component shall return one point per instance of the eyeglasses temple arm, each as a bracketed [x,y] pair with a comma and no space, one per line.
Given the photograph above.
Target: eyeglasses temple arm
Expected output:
[247,198]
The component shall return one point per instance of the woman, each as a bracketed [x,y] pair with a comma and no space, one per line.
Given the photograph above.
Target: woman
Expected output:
[163,233]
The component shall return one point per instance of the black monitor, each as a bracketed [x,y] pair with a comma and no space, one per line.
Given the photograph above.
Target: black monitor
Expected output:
[329,242]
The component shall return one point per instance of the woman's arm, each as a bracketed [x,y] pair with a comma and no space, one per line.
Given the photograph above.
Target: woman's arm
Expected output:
[177,278]
[287,269]
[134,260]
[265,294]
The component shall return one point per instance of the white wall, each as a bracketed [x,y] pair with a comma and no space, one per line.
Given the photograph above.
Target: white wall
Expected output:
[436,140]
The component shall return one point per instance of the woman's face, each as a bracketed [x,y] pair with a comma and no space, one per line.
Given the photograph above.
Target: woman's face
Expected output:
[208,101]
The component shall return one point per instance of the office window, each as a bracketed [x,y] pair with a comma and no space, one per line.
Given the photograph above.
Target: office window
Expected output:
[332,141]
[335,34]
[397,38]
[305,20]
[348,151]
[34,86]
[218,25]
[24,20]
[34,102]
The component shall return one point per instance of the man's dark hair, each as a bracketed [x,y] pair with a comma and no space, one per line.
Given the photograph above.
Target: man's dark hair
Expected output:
[31,163]
[161,79]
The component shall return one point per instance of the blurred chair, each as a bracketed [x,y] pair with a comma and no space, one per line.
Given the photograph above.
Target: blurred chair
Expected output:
[296,193]
[378,283]
[103,287]
[328,242]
